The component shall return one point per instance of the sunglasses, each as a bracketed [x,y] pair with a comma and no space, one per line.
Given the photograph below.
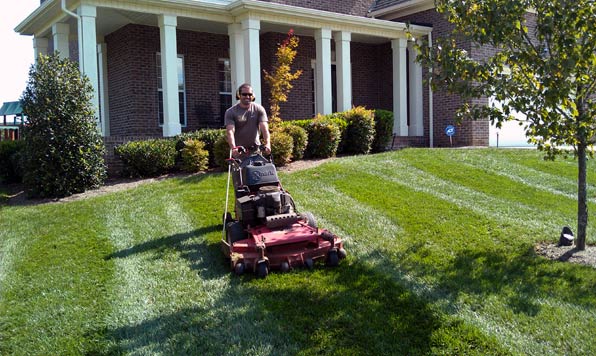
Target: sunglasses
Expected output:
[246,94]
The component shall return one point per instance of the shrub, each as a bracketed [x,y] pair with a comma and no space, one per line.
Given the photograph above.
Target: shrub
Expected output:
[207,136]
[194,156]
[221,152]
[63,147]
[360,133]
[148,158]
[281,147]
[11,170]
[299,139]
[383,130]
[323,138]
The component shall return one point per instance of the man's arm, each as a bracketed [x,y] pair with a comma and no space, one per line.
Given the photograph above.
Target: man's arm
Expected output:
[264,128]
[230,138]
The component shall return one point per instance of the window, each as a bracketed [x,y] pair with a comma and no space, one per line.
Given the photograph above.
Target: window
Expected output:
[224,78]
[181,90]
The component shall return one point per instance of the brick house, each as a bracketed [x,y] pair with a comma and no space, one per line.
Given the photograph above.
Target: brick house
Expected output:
[161,67]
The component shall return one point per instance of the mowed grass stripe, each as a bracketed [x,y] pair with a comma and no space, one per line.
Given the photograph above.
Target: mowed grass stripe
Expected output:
[178,267]
[481,196]
[523,170]
[55,294]
[376,191]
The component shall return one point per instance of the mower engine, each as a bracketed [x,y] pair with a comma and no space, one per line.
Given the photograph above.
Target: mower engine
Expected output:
[260,200]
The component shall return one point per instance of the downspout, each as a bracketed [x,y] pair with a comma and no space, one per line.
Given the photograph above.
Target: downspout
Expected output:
[430,99]
[79,26]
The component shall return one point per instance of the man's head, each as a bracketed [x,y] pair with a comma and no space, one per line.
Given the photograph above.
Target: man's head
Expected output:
[245,94]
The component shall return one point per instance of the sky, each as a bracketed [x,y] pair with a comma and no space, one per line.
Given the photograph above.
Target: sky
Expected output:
[16,56]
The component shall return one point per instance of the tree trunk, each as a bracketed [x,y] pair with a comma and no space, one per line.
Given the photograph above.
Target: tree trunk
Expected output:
[582,205]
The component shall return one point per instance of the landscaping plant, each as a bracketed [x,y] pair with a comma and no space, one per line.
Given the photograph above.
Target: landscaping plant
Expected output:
[64,150]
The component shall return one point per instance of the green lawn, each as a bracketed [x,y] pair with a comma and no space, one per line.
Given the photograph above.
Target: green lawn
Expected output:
[441,261]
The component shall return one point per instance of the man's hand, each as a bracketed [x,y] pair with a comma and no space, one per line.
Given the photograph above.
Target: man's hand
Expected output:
[267,149]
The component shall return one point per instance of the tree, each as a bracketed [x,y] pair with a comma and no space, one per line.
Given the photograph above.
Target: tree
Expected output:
[281,78]
[63,147]
[543,64]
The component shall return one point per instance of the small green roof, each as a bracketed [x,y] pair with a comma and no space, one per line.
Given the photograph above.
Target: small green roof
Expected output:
[11,108]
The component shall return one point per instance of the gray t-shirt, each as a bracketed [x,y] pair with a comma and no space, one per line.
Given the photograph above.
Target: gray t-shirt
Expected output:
[246,123]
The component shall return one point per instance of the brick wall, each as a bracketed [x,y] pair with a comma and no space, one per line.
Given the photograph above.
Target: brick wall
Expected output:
[468,133]
[132,71]
[350,7]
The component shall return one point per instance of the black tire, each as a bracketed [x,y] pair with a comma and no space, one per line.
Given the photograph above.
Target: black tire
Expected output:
[235,232]
[310,219]
[239,268]
[342,253]
[262,270]
[284,267]
[332,258]
[309,263]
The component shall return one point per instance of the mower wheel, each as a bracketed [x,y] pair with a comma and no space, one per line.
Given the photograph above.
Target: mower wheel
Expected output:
[309,263]
[332,258]
[239,268]
[262,270]
[310,219]
[342,253]
[284,267]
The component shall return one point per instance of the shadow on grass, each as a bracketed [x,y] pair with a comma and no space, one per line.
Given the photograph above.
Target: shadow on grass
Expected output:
[521,279]
[347,310]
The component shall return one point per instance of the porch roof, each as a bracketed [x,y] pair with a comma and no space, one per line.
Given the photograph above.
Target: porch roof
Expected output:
[214,16]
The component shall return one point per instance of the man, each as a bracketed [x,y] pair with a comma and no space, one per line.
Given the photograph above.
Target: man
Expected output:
[244,121]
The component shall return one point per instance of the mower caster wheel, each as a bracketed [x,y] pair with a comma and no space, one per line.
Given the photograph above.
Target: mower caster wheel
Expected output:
[342,253]
[239,268]
[309,263]
[284,267]
[332,258]
[262,270]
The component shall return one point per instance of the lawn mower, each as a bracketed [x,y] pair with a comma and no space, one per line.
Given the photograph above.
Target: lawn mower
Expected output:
[267,232]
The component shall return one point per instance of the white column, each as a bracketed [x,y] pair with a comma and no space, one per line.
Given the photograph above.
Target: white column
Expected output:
[40,46]
[344,70]
[88,50]
[400,97]
[415,88]
[237,58]
[103,89]
[252,55]
[169,75]
[323,71]
[60,33]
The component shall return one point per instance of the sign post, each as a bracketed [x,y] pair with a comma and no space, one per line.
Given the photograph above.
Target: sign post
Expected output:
[450,131]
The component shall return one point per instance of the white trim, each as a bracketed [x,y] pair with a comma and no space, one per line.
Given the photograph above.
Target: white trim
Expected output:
[403,9]
[323,71]
[400,95]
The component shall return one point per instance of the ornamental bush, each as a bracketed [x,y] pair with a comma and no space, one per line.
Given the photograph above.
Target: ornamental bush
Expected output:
[221,151]
[281,147]
[383,130]
[360,132]
[323,138]
[299,139]
[147,158]
[208,136]
[11,170]
[63,147]
[194,156]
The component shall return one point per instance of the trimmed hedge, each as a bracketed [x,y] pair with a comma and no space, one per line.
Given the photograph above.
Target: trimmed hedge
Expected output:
[282,146]
[383,130]
[148,158]
[194,157]
[208,136]
[11,169]
[360,131]
[299,139]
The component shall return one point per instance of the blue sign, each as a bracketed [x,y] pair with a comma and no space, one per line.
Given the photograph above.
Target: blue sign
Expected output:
[450,130]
